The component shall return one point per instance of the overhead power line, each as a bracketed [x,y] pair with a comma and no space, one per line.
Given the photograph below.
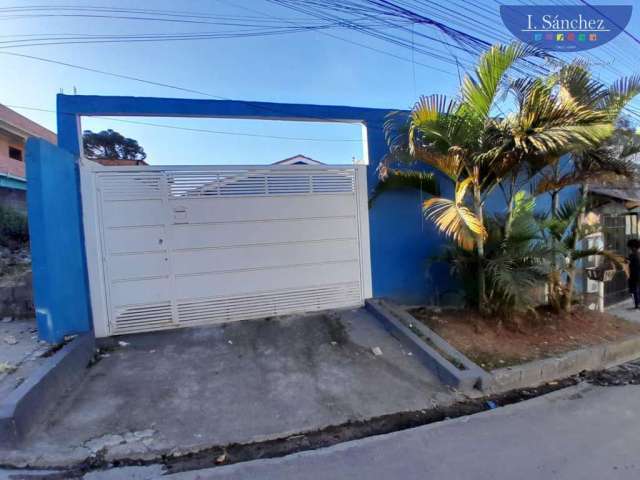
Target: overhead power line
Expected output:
[257,105]
[411,60]
[197,130]
[390,21]
[147,38]
[629,34]
[112,74]
[392,13]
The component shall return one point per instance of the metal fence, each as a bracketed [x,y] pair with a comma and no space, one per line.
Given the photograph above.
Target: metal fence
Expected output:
[618,229]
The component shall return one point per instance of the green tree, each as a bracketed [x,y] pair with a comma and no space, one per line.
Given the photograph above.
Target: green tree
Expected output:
[109,144]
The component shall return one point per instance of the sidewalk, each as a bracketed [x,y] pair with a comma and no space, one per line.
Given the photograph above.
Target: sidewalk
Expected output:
[625,310]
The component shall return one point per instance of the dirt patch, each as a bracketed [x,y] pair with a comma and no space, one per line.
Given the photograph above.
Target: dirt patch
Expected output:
[494,344]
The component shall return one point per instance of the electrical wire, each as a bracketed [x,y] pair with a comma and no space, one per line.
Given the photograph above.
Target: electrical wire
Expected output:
[198,130]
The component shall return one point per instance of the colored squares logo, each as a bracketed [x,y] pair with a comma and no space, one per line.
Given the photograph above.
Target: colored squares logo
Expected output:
[571,36]
[582,37]
[537,37]
[593,37]
[548,36]
[559,37]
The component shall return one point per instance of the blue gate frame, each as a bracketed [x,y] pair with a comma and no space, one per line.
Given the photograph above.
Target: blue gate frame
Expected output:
[401,241]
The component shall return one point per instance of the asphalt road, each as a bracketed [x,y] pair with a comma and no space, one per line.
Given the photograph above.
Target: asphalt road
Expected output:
[585,432]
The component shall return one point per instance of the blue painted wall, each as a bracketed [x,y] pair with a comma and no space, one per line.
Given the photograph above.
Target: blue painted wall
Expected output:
[402,241]
[55,229]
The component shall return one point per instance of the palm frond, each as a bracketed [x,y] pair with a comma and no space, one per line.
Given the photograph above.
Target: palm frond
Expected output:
[479,92]
[433,133]
[396,130]
[621,93]
[449,164]
[615,258]
[522,226]
[430,123]
[560,139]
[569,209]
[454,219]
[629,150]
[398,179]
[513,275]
[577,85]
[605,163]
[522,87]
[549,183]
[545,126]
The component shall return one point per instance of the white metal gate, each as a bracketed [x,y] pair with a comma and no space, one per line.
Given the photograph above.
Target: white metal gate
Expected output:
[177,246]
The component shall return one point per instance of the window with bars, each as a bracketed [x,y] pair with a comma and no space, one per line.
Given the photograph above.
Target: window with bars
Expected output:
[15,153]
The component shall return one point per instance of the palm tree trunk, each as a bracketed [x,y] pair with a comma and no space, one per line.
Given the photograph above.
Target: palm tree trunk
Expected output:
[553,279]
[507,228]
[571,269]
[555,202]
[482,286]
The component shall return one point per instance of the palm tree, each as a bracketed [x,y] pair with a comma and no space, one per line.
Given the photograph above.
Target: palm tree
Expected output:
[606,161]
[516,257]
[478,151]
[565,231]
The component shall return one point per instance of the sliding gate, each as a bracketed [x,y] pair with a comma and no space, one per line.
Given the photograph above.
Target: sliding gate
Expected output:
[178,246]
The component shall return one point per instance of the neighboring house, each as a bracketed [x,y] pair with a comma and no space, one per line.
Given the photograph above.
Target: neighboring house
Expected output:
[14,131]
[617,211]
[298,160]
[244,183]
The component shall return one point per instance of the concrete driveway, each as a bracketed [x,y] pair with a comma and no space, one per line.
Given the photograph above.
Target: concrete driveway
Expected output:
[179,391]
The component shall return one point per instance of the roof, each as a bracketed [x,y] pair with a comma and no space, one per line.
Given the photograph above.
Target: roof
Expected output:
[298,160]
[630,194]
[23,127]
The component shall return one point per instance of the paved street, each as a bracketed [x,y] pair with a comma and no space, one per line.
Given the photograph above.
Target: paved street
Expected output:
[579,433]
[584,432]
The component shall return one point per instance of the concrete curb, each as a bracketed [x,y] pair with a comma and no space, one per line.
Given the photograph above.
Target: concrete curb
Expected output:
[27,405]
[547,370]
[397,322]
[527,375]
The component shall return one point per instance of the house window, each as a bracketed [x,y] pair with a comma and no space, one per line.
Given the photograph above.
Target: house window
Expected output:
[15,153]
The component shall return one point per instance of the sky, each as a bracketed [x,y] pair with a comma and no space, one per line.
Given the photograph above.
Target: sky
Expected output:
[303,67]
